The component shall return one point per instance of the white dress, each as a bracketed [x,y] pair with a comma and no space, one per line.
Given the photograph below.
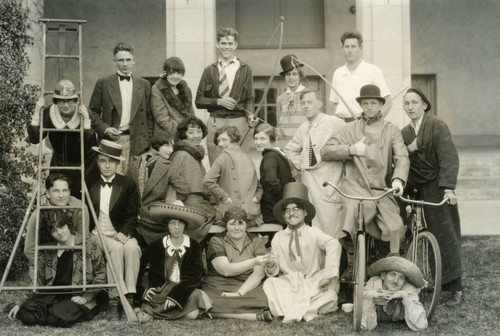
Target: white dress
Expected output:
[292,287]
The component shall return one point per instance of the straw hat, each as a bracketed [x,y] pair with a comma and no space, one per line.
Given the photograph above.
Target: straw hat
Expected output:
[111,149]
[401,265]
[163,212]
[294,192]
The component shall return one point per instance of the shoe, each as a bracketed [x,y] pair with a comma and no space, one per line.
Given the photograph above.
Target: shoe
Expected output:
[265,316]
[130,299]
[112,313]
[8,307]
[144,317]
[457,297]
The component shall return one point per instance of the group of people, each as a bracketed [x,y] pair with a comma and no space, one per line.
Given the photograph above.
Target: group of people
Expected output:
[153,201]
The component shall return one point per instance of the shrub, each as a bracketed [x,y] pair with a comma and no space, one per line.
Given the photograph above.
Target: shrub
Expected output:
[17,100]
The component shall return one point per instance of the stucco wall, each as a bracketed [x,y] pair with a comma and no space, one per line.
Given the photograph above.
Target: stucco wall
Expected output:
[140,23]
[458,41]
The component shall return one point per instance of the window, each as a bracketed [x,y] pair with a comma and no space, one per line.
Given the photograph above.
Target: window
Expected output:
[256,20]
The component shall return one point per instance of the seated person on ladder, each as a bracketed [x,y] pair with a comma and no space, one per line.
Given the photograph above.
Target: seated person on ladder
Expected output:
[62,267]
[369,147]
[65,113]
[116,204]
[391,294]
[58,191]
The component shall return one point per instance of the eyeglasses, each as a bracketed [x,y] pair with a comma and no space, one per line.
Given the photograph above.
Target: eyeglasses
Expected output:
[295,210]
[64,102]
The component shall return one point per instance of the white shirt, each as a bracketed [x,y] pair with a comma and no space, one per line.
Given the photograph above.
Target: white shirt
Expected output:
[175,274]
[230,70]
[416,126]
[348,84]
[104,221]
[126,95]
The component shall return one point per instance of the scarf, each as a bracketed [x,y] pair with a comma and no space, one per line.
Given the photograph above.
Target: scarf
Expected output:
[181,102]
[197,152]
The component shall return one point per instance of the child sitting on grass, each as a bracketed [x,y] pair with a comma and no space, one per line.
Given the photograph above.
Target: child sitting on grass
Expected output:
[391,294]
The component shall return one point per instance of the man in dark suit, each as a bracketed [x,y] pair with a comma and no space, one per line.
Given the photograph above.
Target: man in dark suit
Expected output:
[116,204]
[120,107]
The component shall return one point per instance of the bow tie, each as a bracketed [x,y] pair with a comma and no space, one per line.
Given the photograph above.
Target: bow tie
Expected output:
[106,183]
[127,78]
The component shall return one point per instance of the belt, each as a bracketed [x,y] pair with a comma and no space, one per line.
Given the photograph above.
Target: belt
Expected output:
[125,132]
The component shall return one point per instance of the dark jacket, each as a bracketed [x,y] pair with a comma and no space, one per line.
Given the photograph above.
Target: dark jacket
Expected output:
[242,91]
[106,109]
[124,205]
[275,172]
[191,270]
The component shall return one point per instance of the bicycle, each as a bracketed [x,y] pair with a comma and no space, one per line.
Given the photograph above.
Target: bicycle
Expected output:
[360,252]
[425,253]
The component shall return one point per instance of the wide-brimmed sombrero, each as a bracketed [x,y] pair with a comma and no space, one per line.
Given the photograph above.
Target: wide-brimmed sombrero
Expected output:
[401,265]
[294,192]
[163,212]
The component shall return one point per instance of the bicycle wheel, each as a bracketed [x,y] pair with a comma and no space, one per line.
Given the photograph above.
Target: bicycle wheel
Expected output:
[359,281]
[427,256]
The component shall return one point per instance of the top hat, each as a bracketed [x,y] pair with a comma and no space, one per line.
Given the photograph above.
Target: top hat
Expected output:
[288,63]
[294,192]
[162,213]
[370,92]
[411,271]
[111,149]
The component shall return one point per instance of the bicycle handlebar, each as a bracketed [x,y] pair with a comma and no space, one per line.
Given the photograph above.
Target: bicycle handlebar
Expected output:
[360,198]
[420,202]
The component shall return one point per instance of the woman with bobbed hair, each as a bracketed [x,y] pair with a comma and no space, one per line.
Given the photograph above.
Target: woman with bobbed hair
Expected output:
[275,170]
[171,97]
[232,178]
[62,267]
[156,182]
[187,161]
[235,271]
[433,175]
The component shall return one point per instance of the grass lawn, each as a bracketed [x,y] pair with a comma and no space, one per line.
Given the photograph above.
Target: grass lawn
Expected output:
[479,315]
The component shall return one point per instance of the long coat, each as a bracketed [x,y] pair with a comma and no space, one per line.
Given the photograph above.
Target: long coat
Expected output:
[154,189]
[434,168]
[329,207]
[233,175]
[384,148]
[106,107]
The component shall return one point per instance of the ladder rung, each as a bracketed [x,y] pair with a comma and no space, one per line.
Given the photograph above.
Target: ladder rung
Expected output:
[62,56]
[60,247]
[62,168]
[45,207]
[62,20]
[64,130]
[59,287]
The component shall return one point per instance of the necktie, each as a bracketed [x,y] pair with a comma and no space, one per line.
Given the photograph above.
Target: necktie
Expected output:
[312,157]
[294,237]
[106,183]
[223,82]
[127,78]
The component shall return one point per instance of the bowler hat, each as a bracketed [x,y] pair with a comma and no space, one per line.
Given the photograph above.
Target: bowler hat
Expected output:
[370,92]
[111,149]
[294,192]
[163,212]
[288,63]
[411,271]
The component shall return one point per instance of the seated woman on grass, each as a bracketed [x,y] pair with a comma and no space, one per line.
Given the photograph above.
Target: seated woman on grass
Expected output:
[63,267]
[175,268]
[235,271]
[391,294]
